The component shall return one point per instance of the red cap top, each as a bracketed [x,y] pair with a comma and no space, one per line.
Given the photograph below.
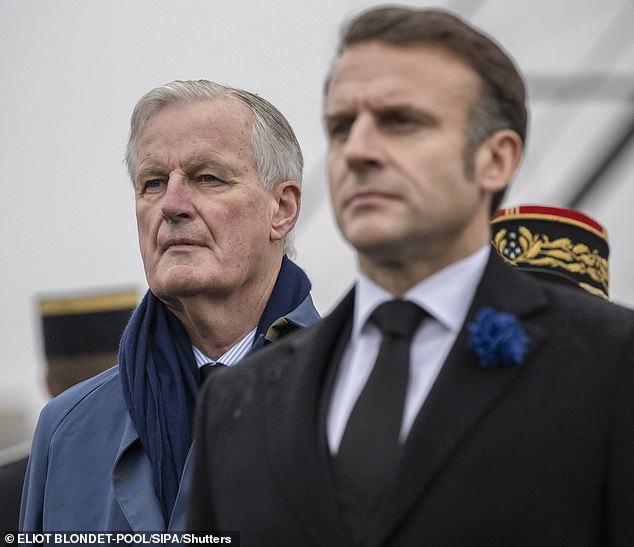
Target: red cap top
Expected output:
[571,216]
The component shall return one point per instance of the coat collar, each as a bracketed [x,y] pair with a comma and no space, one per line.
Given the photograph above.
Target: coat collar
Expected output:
[132,482]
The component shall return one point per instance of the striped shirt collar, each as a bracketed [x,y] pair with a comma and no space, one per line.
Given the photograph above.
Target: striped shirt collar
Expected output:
[229,357]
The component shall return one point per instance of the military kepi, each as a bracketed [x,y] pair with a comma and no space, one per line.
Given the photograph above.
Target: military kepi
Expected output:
[85,323]
[555,243]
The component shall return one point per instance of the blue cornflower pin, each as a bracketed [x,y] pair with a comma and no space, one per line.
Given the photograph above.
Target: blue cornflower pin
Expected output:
[497,338]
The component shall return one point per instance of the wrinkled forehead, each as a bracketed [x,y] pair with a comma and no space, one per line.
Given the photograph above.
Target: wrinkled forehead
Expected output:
[225,113]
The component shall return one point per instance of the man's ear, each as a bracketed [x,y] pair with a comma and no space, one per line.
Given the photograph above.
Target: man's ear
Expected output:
[288,198]
[497,160]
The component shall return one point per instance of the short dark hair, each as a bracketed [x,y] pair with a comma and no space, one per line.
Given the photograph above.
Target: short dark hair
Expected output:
[502,101]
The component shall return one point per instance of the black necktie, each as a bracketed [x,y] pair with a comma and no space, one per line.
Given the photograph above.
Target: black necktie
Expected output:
[369,451]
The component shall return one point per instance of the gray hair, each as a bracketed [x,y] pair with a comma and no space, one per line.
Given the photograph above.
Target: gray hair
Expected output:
[274,146]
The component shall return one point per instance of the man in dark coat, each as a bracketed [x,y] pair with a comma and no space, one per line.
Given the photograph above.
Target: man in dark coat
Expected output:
[449,399]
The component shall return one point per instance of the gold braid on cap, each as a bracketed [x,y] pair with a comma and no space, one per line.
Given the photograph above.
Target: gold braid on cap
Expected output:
[538,250]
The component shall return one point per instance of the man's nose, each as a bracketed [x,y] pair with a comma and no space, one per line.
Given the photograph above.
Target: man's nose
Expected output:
[363,148]
[177,204]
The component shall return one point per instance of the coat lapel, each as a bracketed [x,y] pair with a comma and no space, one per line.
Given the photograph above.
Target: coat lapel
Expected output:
[462,394]
[298,454]
[134,484]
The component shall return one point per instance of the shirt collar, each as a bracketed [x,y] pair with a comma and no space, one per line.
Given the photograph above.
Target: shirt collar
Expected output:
[229,357]
[446,295]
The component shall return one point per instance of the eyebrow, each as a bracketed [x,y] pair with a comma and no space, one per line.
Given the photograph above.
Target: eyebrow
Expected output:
[197,165]
[150,170]
[422,115]
[339,116]
[194,165]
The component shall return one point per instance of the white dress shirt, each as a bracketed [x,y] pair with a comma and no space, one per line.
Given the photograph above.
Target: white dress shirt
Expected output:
[446,296]
[229,357]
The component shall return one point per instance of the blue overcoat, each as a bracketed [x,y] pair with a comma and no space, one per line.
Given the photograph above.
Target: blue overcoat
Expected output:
[88,470]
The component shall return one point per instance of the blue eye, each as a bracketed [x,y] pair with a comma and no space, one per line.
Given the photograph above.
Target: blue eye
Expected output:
[211,181]
[152,186]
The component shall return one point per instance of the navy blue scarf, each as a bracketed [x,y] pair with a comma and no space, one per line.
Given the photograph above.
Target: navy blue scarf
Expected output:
[160,378]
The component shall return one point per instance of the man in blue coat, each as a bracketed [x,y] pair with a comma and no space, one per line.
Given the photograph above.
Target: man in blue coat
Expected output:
[216,173]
